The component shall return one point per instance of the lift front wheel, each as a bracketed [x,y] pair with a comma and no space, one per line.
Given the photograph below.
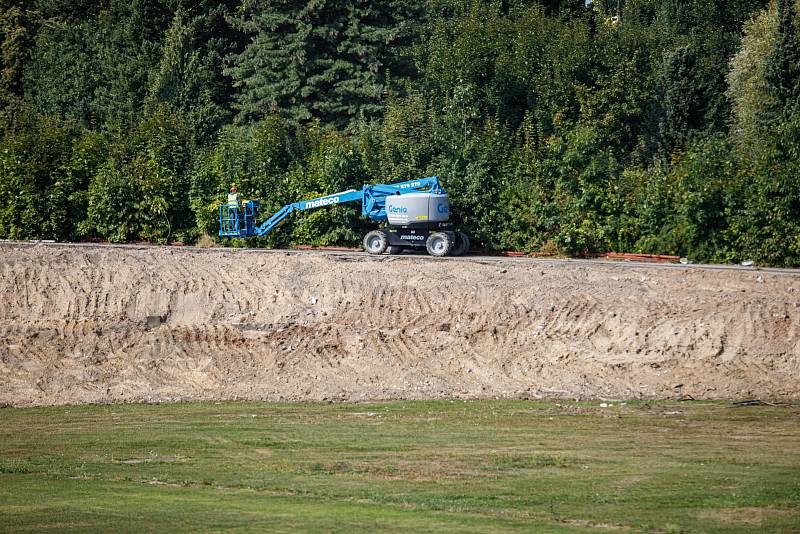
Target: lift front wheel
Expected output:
[376,242]
[438,244]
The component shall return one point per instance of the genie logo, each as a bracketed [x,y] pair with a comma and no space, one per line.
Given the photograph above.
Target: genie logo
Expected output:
[395,209]
[443,208]
[321,202]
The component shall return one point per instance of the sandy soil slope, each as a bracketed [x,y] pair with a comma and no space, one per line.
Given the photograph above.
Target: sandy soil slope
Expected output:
[74,328]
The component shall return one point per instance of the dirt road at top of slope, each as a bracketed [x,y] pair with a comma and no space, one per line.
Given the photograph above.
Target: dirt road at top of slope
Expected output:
[94,324]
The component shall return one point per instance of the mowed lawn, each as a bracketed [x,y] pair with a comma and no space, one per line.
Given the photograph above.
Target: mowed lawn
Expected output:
[405,466]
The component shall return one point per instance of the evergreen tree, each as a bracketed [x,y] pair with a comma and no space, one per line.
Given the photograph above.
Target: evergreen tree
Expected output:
[783,65]
[94,66]
[324,59]
[62,75]
[15,40]
[128,50]
[190,77]
[270,72]
[684,97]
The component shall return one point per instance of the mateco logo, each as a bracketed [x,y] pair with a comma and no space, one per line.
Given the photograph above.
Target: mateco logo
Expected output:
[413,237]
[322,202]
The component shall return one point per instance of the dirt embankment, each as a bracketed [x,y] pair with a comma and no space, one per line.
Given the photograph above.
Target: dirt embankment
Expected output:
[74,328]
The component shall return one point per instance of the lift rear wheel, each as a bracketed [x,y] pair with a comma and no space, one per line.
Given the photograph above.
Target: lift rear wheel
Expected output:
[376,242]
[439,244]
[461,246]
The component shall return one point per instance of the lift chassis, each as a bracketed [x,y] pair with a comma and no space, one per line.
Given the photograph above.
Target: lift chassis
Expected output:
[438,239]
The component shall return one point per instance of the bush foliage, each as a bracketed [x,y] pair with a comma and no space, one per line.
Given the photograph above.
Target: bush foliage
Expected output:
[646,126]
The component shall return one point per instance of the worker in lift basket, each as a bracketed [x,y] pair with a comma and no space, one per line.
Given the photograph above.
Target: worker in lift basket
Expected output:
[234,206]
[234,200]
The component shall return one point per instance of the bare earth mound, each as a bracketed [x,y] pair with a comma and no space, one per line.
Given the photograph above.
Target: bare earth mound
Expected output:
[275,326]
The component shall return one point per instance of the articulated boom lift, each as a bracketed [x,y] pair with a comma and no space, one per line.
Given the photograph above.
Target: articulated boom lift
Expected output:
[416,213]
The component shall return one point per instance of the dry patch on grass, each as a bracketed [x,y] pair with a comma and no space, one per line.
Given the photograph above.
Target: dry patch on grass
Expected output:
[748,516]
[151,460]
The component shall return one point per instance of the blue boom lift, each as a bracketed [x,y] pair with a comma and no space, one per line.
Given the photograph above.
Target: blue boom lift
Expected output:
[416,213]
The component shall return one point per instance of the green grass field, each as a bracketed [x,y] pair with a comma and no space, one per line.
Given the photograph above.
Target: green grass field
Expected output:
[407,466]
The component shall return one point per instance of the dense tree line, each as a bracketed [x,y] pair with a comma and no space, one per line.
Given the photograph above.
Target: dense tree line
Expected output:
[658,126]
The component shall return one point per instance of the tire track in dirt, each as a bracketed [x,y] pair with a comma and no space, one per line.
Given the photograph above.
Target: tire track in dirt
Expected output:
[75,329]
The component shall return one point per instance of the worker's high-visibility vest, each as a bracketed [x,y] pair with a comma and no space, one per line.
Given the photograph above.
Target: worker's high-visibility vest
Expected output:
[234,199]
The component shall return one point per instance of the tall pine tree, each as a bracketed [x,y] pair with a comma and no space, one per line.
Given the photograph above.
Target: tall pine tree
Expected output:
[783,65]
[94,65]
[190,78]
[15,39]
[128,50]
[320,58]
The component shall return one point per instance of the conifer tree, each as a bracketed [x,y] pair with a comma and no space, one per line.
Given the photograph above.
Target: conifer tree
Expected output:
[319,58]
[189,78]
[15,38]
[783,65]
[128,50]
[94,66]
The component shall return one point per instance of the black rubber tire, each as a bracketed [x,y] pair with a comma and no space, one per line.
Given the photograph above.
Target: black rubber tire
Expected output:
[394,250]
[461,245]
[463,238]
[376,242]
[439,244]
